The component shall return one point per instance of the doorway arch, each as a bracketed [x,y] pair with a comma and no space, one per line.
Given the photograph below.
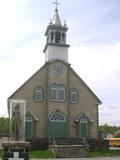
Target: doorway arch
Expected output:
[57,125]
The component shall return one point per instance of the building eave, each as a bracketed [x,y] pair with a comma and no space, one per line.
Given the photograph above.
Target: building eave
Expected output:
[56,45]
[27,81]
[55,27]
[98,100]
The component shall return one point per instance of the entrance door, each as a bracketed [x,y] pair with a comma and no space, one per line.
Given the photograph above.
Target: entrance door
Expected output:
[28,127]
[57,125]
[83,128]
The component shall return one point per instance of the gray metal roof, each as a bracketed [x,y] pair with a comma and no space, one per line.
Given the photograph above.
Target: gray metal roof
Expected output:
[56,19]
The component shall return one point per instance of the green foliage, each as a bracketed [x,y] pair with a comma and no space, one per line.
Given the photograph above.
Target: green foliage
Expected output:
[108,129]
[1,154]
[117,134]
[49,154]
[4,125]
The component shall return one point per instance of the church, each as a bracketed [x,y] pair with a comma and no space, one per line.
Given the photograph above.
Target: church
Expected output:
[59,103]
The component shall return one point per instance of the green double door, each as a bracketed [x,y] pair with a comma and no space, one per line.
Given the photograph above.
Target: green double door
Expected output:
[57,129]
[57,125]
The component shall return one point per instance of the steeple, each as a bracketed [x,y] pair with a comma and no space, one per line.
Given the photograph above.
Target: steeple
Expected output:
[56,47]
[56,19]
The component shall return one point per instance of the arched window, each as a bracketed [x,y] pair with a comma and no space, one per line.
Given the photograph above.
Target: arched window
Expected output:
[83,120]
[57,117]
[57,37]
[38,94]
[52,36]
[57,93]
[73,96]
[63,37]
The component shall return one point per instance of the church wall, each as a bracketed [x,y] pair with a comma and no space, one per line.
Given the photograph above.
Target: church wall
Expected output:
[54,78]
[26,92]
[86,103]
[59,78]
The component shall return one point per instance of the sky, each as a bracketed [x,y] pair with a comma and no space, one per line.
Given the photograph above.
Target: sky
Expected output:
[94,53]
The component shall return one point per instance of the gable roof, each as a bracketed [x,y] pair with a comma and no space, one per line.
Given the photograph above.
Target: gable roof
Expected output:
[81,115]
[30,113]
[45,65]
[70,68]
[86,86]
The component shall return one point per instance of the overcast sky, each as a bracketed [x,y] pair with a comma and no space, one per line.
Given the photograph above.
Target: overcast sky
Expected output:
[94,36]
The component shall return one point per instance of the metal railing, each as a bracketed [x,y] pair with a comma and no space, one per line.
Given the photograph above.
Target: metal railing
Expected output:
[53,143]
[85,144]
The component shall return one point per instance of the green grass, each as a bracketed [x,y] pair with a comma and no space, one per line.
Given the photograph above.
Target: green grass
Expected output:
[108,153]
[1,153]
[37,154]
[41,154]
[49,154]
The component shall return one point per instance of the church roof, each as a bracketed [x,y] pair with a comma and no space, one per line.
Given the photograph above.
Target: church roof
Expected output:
[75,74]
[56,19]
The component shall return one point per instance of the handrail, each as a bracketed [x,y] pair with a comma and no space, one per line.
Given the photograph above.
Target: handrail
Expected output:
[52,140]
[85,143]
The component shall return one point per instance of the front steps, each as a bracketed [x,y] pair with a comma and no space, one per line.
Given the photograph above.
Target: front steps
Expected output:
[69,148]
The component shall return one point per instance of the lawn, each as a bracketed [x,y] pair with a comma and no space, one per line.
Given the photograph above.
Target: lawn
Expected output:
[49,154]
[109,153]
[37,154]
[41,154]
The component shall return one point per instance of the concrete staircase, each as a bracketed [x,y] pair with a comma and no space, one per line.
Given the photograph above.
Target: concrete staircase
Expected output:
[69,148]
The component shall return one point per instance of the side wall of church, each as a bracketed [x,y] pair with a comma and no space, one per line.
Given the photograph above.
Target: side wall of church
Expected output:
[86,103]
[26,92]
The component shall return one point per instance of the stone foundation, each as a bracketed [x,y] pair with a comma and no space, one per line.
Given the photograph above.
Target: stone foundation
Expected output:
[69,151]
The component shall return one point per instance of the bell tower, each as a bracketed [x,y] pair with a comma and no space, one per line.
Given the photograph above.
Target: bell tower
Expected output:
[56,47]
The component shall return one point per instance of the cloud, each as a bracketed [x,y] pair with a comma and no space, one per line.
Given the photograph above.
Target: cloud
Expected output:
[94,53]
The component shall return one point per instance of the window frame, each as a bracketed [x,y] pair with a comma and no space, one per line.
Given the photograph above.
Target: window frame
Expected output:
[57,88]
[57,117]
[74,92]
[38,90]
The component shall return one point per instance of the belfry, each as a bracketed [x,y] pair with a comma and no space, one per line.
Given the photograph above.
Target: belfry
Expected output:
[56,47]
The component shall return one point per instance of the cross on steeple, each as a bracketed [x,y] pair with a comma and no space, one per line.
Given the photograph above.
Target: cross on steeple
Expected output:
[56,4]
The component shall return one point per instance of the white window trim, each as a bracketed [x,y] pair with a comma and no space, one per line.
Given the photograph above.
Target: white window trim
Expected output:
[62,115]
[57,88]
[76,94]
[38,90]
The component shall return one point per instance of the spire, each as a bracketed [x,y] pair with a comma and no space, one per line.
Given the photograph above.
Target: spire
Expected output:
[56,18]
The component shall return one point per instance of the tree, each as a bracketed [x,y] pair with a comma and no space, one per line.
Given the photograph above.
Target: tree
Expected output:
[4,125]
[109,129]
[117,134]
